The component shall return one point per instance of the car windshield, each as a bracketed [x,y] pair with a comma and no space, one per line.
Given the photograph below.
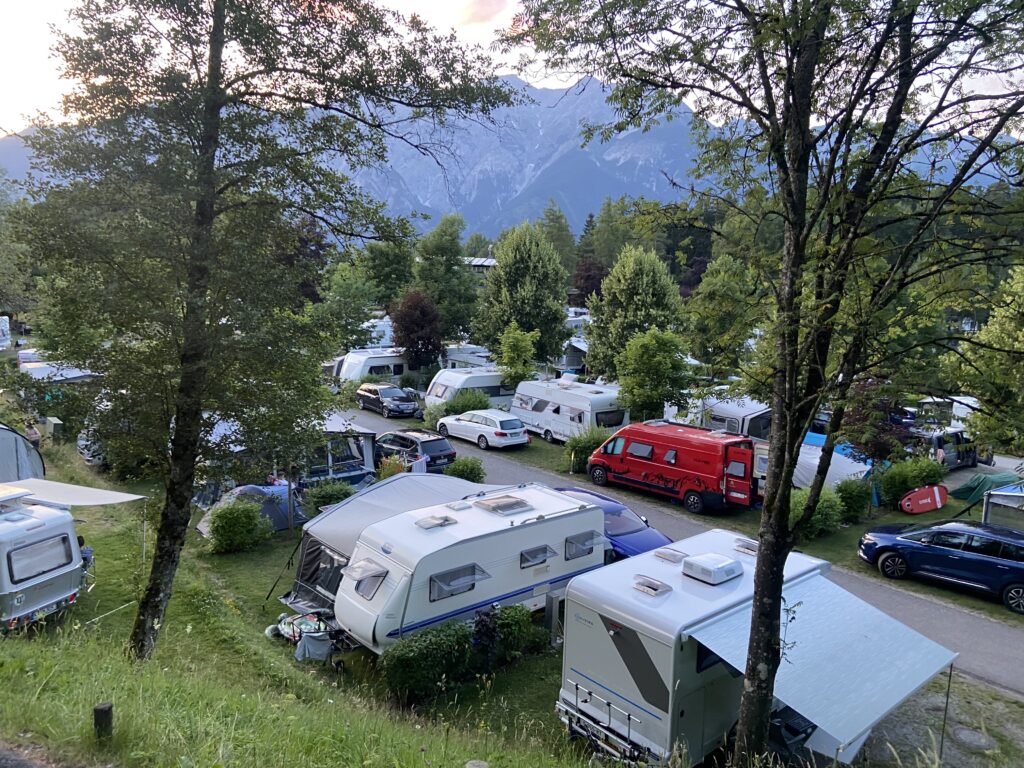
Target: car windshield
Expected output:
[392,392]
[434,447]
[511,424]
[622,521]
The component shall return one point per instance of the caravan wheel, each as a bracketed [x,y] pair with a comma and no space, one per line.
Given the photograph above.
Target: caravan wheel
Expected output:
[548,436]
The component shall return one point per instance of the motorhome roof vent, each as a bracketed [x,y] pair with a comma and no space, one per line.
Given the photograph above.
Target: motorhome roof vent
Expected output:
[746,546]
[13,517]
[672,555]
[650,586]
[712,568]
[504,505]
[458,505]
[436,521]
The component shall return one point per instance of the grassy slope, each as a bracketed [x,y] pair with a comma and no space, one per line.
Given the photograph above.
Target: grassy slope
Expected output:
[217,692]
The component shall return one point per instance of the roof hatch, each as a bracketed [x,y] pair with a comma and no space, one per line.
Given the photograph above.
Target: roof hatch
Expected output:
[435,521]
[504,505]
[650,586]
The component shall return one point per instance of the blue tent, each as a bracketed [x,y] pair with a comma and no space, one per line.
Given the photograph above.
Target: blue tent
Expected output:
[274,501]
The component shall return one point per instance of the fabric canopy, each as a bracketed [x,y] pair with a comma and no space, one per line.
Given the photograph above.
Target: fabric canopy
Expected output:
[975,488]
[846,664]
[65,495]
[18,458]
[841,467]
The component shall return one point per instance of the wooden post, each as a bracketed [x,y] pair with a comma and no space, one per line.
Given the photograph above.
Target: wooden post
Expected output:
[103,721]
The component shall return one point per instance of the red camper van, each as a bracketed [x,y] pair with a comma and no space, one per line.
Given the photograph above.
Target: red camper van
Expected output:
[703,468]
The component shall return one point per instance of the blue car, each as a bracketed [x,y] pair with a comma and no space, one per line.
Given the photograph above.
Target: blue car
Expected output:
[970,554]
[628,533]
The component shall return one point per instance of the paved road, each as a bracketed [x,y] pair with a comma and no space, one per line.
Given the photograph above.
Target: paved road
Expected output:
[14,760]
[990,650]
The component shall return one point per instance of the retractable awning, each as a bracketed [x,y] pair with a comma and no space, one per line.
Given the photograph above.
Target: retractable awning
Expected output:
[65,495]
[846,664]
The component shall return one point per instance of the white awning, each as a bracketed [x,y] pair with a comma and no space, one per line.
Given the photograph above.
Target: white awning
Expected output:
[846,664]
[1008,495]
[65,495]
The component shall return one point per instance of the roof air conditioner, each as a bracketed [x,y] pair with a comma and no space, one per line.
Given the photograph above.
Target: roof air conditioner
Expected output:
[712,568]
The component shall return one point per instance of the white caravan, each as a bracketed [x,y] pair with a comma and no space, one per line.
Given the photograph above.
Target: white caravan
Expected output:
[388,363]
[561,408]
[445,562]
[448,382]
[467,356]
[655,647]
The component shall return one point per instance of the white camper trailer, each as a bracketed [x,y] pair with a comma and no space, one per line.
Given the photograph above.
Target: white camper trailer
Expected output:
[448,382]
[655,647]
[561,408]
[388,363]
[445,562]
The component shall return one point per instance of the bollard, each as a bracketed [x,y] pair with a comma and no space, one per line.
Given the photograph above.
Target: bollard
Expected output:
[103,721]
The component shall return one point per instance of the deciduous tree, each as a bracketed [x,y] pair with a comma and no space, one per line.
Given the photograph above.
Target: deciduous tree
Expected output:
[442,274]
[654,370]
[516,354]
[388,267]
[418,329]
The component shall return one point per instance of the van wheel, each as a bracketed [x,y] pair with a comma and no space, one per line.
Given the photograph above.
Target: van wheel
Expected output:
[482,442]
[693,503]
[1013,598]
[599,475]
[548,436]
[442,430]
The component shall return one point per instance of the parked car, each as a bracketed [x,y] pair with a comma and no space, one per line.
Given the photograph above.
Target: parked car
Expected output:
[386,399]
[977,555]
[628,533]
[952,448]
[488,428]
[411,443]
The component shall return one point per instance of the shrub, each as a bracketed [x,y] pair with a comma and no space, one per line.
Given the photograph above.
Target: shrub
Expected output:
[390,465]
[468,468]
[432,413]
[324,494]
[408,380]
[515,623]
[827,515]
[423,665]
[856,497]
[467,400]
[579,448]
[906,475]
[238,526]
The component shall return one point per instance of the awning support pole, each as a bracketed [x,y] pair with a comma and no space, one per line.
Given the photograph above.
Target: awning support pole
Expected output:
[279,575]
[945,713]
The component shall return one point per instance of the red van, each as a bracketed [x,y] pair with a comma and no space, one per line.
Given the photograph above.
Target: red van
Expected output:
[703,468]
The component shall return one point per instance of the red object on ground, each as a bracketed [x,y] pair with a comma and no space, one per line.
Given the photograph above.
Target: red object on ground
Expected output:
[927,498]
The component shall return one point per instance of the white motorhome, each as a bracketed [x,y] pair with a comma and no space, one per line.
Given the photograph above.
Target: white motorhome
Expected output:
[655,647]
[448,382]
[445,562]
[467,356]
[388,363]
[561,408]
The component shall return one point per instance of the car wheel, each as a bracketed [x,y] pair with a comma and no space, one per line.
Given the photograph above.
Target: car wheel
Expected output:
[360,404]
[892,565]
[599,475]
[1013,598]
[482,442]
[548,436]
[442,430]
[385,412]
[693,503]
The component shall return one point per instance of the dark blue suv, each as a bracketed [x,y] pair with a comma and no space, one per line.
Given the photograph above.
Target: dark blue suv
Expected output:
[971,554]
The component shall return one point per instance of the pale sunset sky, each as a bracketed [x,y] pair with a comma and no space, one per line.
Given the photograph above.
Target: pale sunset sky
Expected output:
[30,83]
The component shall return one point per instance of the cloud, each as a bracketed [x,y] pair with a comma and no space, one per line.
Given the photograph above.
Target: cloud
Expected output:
[482,11]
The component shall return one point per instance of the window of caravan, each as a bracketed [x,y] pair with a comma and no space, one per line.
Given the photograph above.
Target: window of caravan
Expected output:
[36,559]
[535,556]
[728,424]
[610,418]
[456,581]
[438,390]
[760,426]
[640,450]
[614,447]
[328,575]
[380,370]
[581,544]
[576,415]
[368,575]
[539,405]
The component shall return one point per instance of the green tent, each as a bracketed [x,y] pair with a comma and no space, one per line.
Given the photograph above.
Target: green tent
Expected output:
[975,488]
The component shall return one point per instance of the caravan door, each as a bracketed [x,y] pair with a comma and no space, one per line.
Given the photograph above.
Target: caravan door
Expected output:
[739,475]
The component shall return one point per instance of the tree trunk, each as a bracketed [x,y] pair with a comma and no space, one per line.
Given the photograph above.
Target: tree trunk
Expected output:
[193,361]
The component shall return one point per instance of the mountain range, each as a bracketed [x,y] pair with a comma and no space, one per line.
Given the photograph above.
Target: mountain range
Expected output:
[503,173]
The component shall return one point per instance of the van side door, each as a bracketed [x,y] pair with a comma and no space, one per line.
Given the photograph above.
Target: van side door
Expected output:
[739,464]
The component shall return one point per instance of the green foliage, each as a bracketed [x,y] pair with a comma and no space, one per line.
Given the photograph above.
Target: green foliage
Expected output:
[906,475]
[390,466]
[425,664]
[856,497]
[347,305]
[719,316]
[347,389]
[527,286]
[324,494]
[418,329]
[434,412]
[579,447]
[468,468]
[637,295]
[238,526]
[477,246]
[442,274]
[653,371]
[516,354]
[467,400]
[555,228]
[827,515]
[409,380]
[388,267]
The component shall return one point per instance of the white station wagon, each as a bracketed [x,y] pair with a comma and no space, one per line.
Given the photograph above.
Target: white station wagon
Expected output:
[488,429]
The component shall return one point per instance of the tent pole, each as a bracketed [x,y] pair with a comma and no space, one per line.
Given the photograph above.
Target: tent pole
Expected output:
[279,575]
[945,713]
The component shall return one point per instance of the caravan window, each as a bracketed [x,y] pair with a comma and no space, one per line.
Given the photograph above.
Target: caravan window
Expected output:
[576,415]
[535,556]
[380,370]
[438,390]
[36,559]
[556,410]
[329,573]
[729,425]
[368,575]
[539,405]
[610,418]
[641,450]
[456,581]
[581,544]
[398,369]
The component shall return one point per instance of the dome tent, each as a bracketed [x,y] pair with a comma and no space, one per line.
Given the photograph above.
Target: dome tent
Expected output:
[273,501]
[19,459]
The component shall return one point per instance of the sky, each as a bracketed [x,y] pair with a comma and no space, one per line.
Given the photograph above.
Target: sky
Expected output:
[31,82]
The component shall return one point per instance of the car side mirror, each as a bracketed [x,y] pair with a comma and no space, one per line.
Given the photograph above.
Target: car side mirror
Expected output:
[644,519]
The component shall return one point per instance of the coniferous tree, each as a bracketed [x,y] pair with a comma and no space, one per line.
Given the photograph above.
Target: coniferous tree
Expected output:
[555,227]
